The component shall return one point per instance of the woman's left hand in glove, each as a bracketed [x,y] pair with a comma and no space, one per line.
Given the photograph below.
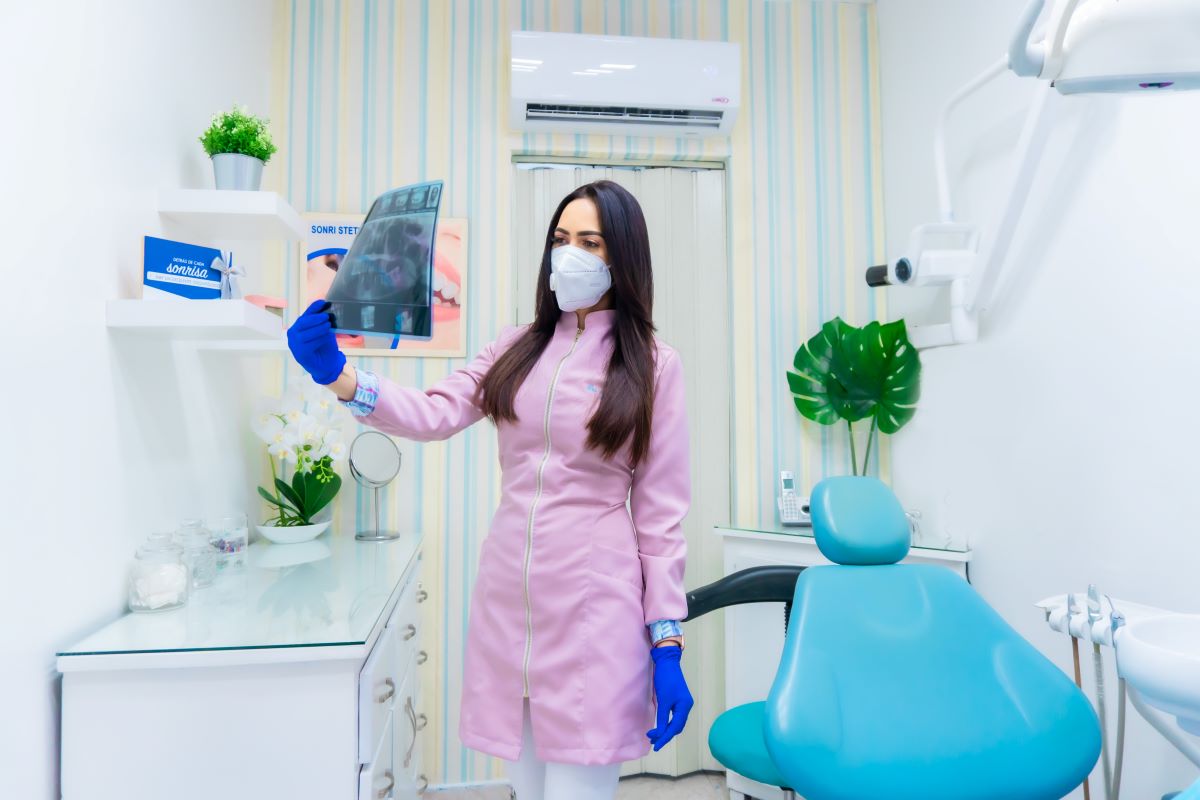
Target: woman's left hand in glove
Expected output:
[671,693]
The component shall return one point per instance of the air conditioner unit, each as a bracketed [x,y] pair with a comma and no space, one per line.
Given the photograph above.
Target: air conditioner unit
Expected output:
[623,85]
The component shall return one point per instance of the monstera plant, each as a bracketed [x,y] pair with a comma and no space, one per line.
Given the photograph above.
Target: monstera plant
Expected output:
[857,374]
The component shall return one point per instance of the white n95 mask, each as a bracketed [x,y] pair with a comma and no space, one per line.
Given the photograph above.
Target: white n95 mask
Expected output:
[578,278]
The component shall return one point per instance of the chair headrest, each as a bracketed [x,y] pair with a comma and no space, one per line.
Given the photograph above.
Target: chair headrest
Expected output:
[858,520]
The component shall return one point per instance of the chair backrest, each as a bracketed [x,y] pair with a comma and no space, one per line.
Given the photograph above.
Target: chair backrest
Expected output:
[899,682]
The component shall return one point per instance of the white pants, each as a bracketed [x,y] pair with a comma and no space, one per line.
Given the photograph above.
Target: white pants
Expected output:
[534,779]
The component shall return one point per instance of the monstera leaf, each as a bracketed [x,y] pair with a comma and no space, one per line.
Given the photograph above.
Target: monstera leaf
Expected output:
[851,374]
[816,390]
[881,372]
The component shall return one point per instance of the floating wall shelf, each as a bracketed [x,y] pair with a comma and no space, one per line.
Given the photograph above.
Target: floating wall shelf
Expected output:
[229,214]
[195,319]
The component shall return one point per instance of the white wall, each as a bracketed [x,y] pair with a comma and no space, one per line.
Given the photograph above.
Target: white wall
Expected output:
[1062,444]
[103,103]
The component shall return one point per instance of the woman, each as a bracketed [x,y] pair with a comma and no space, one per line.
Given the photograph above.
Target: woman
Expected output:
[579,594]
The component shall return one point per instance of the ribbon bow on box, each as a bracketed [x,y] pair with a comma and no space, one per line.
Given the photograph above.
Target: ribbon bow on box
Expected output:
[230,290]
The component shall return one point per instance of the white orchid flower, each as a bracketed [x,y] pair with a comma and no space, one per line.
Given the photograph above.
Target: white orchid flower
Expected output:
[324,406]
[267,427]
[298,417]
[282,451]
[337,450]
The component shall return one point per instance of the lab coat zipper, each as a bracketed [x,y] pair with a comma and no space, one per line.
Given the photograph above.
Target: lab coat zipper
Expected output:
[533,507]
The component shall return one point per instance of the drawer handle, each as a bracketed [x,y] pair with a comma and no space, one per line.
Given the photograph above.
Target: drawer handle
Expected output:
[423,785]
[412,718]
[422,657]
[422,721]
[389,694]
[412,631]
[422,596]
[387,790]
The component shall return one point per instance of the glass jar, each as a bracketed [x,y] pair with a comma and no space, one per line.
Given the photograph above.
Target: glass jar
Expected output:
[229,538]
[158,580]
[198,553]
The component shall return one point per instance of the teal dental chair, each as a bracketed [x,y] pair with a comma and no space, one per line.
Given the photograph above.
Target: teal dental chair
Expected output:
[897,682]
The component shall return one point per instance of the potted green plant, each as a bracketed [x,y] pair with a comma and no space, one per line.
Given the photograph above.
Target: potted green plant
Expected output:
[305,432]
[850,374]
[239,144]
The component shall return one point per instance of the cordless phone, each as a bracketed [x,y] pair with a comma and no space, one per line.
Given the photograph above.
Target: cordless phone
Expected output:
[793,510]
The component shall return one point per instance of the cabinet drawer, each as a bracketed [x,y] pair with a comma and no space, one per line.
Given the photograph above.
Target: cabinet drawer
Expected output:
[377,778]
[405,620]
[409,723]
[412,783]
[378,686]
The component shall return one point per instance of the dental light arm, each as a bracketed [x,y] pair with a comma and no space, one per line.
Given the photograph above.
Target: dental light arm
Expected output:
[945,204]
[1039,59]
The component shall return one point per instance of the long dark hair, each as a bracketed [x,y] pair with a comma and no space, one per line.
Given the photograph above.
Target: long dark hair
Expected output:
[627,402]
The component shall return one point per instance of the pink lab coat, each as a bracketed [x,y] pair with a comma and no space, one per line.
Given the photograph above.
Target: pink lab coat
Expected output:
[597,571]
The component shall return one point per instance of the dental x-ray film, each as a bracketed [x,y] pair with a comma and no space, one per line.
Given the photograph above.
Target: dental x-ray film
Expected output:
[384,285]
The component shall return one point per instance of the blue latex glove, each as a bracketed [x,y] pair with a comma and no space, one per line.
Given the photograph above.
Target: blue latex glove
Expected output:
[671,692]
[314,345]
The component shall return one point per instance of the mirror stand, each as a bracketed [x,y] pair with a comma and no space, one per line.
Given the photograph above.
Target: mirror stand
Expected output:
[376,534]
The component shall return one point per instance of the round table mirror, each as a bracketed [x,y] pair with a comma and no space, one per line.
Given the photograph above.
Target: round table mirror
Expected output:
[374,463]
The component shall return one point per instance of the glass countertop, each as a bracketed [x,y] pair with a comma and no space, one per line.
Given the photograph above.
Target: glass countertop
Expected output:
[330,591]
[807,533]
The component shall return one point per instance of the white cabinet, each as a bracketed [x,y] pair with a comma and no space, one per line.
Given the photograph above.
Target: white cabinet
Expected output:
[283,679]
[754,632]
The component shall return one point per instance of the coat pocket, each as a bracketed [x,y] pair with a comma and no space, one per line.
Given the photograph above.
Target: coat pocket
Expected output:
[616,564]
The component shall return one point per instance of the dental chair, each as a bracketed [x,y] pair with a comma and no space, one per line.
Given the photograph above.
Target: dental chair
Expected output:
[897,682]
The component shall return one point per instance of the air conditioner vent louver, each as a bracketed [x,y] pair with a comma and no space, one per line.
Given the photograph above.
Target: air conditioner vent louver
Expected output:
[603,85]
[625,115]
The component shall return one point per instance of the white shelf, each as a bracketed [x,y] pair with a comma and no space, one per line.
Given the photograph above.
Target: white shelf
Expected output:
[195,319]
[229,214]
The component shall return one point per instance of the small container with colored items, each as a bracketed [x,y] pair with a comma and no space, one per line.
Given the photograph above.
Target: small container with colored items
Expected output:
[158,580]
[198,553]
[230,536]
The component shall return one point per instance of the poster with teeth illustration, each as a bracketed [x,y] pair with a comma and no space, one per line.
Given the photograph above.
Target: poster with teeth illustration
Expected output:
[329,238]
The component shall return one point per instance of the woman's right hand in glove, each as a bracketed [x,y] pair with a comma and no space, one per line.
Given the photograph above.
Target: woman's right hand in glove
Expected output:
[314,344]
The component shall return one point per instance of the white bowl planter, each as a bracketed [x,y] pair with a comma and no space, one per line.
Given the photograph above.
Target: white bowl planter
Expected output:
[237,171]
[293,534]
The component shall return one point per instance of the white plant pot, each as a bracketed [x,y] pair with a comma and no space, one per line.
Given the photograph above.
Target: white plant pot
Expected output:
[294,534]
[237,171]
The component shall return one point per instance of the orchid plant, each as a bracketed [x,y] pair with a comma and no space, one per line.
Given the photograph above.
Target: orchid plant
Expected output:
[304,432]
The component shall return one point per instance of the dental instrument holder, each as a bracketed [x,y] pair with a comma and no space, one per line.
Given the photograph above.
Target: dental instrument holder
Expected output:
[374,463]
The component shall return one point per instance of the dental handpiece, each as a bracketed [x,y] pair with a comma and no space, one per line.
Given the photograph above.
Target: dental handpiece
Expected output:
[1094,614]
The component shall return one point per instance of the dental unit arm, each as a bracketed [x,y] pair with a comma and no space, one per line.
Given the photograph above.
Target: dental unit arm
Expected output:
[954,254]
[1082,46]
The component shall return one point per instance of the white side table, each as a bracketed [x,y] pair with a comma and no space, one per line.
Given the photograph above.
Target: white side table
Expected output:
[754,633]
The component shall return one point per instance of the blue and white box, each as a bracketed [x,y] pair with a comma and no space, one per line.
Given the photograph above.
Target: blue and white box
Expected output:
[180,271]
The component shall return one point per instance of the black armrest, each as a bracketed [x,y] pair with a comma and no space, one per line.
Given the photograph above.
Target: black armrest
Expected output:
[773,584]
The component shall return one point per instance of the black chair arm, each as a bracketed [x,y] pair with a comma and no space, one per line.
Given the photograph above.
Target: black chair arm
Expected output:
[772,584]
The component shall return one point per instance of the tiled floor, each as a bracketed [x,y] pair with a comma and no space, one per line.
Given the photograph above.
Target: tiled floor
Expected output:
[697,786]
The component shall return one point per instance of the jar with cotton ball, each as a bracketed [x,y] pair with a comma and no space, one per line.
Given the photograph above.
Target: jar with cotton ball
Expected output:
[158,579]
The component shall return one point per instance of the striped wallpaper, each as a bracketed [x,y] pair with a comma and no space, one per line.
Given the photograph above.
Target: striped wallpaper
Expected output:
[371,94]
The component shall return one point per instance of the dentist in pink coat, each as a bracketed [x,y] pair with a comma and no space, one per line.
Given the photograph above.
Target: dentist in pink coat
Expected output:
[573,637]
